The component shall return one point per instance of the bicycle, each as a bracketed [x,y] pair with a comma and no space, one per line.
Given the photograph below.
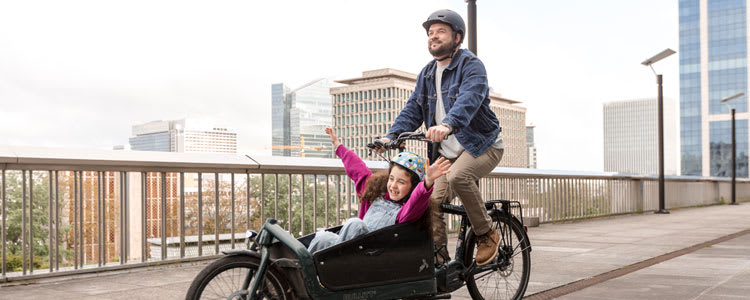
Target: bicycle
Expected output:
[400,260]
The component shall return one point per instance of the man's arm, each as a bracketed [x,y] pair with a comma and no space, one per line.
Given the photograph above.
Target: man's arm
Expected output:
[471,93]
[410,117]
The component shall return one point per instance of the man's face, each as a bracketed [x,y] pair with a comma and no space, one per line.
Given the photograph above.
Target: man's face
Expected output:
[440,40]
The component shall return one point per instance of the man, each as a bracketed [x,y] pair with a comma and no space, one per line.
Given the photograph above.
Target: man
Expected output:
[459,117]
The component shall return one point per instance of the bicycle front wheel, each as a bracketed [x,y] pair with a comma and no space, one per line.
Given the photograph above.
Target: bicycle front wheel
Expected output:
[225,276]
[509,276]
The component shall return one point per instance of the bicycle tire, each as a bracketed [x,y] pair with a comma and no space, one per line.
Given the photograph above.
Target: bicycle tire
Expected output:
[225,276]
[507,281]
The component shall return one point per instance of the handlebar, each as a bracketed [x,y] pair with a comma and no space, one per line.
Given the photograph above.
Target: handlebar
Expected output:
[398,143]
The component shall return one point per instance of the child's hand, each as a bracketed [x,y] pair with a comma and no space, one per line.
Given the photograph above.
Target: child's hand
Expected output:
[433,172]
[334,138]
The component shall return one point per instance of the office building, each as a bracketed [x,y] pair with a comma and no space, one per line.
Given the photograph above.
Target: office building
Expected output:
[631,137]
[280,120]
[530,148]
[185,135]
[365,108]
[299,119]
[713,66]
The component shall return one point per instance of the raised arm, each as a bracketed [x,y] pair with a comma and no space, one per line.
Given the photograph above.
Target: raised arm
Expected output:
[354,166]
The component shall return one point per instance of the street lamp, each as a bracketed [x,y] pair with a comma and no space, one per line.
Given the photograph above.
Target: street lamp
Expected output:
[649,62]
[471,11]
[734,148]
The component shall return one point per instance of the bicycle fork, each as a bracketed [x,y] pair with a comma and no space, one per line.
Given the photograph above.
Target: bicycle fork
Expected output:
[251,292]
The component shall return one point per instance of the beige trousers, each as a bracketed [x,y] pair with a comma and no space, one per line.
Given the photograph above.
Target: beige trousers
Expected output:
[465,170]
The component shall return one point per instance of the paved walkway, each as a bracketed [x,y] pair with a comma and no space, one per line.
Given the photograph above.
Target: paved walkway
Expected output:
[563,253]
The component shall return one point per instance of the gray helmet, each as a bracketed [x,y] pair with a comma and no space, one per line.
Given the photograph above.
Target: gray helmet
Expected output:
[449,17]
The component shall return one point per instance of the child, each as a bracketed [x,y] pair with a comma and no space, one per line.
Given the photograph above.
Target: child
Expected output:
[397,195]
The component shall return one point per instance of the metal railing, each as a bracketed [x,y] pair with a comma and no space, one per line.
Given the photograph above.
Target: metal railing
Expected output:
[67,211]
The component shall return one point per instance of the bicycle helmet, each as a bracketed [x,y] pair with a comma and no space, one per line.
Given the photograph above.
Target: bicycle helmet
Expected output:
[448,17]
[410,161]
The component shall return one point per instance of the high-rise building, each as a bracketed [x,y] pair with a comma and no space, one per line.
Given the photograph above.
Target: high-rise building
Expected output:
[299,119]
[365,108]
[631,137]
[530,148]
[280,127]
[183,135]
[713,66]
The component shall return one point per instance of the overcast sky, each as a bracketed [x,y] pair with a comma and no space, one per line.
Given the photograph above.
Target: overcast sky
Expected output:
[81,73]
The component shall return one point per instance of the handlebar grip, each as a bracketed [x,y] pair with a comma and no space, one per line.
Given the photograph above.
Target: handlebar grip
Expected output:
[377,143]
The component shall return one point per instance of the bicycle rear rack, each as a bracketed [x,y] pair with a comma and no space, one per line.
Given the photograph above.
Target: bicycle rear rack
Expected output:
[508,206]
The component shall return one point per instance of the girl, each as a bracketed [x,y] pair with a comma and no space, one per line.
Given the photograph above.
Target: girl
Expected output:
[397,195]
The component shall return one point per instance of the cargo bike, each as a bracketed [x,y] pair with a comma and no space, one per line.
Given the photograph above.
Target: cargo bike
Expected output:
[396,262]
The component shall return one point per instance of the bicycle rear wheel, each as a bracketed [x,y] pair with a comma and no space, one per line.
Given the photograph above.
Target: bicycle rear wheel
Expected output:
[510,275]
[225,276]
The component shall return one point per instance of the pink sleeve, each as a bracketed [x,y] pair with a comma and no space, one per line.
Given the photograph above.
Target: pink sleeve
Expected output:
[355,168]
[416,205]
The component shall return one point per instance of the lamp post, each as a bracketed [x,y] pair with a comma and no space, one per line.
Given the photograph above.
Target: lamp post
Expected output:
[649,62]
[734,149]
[471,9]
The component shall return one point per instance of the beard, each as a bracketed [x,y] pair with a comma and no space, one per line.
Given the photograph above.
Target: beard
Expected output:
[443,50]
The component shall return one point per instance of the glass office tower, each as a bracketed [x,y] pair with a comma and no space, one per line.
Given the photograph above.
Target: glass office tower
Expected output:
[713,66]
[299,118]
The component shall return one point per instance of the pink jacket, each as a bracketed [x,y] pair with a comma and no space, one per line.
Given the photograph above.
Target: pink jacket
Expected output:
[410,211]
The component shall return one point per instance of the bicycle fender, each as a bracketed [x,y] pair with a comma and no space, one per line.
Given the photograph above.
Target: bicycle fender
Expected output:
[241,252]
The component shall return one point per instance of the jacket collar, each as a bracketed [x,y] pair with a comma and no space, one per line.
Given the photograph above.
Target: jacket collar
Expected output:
[454,62]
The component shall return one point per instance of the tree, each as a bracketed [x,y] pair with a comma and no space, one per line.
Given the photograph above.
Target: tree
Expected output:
[37,225]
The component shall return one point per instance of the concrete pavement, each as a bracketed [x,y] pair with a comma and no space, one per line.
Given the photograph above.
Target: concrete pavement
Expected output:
[563,254]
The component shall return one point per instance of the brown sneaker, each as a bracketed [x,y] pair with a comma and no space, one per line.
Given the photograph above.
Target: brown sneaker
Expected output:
[487,247]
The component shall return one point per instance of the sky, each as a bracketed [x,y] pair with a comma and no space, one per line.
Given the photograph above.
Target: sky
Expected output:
[79,74]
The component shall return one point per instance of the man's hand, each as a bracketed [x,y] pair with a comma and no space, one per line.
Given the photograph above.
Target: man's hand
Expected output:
[437,133]
[382,149]
[334,138]
[433,172]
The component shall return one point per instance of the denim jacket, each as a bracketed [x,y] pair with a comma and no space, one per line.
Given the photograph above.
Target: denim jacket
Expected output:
[466,97]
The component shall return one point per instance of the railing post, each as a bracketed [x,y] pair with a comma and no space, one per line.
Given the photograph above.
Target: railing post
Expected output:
[262,198]
[216,213]
[232,218]
[200,214]
[641,194]
[163,215]
[182,214]
[144,225]
[247,207]
[2,239]
[23,223]
[99,218]
[75,219]
[52,225]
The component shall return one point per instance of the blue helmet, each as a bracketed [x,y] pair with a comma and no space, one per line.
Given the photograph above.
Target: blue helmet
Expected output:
[410,161]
